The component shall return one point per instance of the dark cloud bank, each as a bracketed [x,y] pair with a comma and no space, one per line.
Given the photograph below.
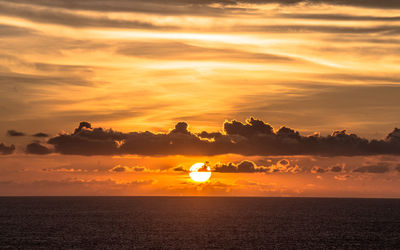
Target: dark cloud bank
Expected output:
[254,137]
[178,6]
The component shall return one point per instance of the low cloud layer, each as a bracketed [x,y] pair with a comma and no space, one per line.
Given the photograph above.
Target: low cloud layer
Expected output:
[254,137]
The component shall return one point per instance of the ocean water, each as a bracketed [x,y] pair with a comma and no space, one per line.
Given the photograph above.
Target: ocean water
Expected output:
[198,223]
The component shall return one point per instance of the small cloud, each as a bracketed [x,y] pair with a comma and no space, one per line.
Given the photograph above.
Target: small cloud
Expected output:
[64,170]
[15,133]
[40,135]
[120,169]
[180,169]
[282,166]
[6,150]
[341,177]
[284,162]
[318,170]
[336,169]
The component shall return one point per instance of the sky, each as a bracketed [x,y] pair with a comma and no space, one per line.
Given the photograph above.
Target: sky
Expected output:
[279,97]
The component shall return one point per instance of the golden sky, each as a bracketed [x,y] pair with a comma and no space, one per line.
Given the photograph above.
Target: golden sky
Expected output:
[314,66]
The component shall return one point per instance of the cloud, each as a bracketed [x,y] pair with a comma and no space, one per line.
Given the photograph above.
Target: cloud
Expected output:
[282,166]
[37,148]
[242,167]
[65,170]
[193,7]
[179,169]
[15,133]
[62,17]
[384,29]
[318,170]
[87,141]
[204,187]
[183,51]
[205,8]
[388,4]
[13,31]
[12,78]
[336,169]
[80,187]
[359,3]
[375,169]
[6,150]
[339,17]
[341,177]
[254,137]
[41,135]
[120,169]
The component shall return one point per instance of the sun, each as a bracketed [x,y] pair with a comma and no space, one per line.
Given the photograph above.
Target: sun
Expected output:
[200,172]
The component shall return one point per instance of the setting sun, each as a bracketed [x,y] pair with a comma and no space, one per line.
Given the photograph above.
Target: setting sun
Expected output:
[200,172]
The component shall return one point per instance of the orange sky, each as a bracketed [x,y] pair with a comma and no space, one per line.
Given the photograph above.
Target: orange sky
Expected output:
[146,65]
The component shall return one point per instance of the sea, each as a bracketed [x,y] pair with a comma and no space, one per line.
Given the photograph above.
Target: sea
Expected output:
[198,223]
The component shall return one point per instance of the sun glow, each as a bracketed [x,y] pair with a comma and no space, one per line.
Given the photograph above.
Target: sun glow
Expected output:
[199,172]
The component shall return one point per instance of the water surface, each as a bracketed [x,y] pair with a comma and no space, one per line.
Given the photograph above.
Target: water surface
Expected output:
[198,223]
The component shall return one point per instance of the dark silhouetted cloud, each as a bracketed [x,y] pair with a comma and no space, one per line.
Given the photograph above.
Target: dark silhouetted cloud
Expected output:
[37,148]
[318,170]
[6,150]
[336,169]
[120,168]
[254,137]
[375,169]
[40,135]
[15,133]
[282,166]
[242,167]
[180,169]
